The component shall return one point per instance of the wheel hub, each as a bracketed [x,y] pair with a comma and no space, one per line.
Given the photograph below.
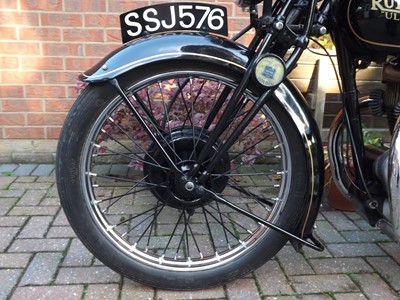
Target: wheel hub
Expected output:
[177,188]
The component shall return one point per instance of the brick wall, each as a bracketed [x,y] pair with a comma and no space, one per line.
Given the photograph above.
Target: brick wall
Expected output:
[44,44]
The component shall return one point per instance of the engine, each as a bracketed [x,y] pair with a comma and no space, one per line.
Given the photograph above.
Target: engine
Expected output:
[387,166]
[388,101]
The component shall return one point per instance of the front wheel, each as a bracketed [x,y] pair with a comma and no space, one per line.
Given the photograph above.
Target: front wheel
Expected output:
[126,182]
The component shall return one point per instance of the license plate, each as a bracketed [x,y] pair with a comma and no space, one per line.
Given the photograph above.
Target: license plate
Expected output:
[174,17]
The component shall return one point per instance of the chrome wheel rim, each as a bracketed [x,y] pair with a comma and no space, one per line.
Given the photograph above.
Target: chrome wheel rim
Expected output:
[191,232]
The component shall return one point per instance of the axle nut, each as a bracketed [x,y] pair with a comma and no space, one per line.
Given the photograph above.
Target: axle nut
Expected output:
[189,186]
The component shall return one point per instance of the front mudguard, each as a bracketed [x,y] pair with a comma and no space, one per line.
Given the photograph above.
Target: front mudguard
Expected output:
[164,47]
[223,52]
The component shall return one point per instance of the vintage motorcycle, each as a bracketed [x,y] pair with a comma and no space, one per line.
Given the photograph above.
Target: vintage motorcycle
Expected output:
[190,160]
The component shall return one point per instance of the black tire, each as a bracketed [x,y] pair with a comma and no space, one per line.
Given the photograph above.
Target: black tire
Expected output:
[130,208]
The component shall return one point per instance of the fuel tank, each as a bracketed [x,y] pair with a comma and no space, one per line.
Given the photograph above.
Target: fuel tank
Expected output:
[374,23]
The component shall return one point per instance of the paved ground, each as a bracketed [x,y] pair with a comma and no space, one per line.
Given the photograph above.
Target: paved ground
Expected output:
[40,257]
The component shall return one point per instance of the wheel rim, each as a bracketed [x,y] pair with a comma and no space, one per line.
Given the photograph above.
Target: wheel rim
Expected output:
[154,214]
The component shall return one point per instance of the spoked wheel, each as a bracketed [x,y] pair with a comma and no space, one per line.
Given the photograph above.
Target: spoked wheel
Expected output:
[134,190]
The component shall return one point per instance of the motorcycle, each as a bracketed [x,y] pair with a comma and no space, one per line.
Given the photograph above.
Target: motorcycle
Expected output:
[189,159]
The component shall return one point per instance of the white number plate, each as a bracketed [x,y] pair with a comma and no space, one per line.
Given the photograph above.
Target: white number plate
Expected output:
[173,17]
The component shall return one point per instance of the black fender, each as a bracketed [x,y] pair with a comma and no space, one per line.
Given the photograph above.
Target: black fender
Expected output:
[225,52]
[167,46]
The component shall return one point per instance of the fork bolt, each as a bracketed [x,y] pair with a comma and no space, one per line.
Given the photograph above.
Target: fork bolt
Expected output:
[189,186]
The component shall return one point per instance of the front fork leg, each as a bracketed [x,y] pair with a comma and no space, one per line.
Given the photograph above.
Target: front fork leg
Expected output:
[229,111]
[352,120]
[235,134]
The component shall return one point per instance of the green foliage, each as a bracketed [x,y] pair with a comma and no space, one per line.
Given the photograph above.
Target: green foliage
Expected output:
[325,41]
[372,138]
[7,173]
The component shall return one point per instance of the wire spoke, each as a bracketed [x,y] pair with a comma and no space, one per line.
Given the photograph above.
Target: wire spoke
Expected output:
[195,241]
[154,222]
[124,146]
[149,120]
[223,225]
[139,183]
[150,226]
[211,236]
[119,197]
[184,237]
[264,154]
[136,157]
[225,133]
[259,199]
[173,99]
[173,232]
[170,130]
[186,108]
[148,112]
[138,215]
[220,218]
[232,220]
[168,125]
[217,104]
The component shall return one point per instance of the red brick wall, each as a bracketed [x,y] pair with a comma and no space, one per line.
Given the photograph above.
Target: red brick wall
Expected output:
[44,44]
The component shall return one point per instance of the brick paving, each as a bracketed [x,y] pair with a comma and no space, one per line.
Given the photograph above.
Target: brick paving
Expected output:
[41,258]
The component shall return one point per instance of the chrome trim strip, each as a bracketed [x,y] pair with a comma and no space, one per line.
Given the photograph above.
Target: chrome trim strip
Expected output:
[158,57]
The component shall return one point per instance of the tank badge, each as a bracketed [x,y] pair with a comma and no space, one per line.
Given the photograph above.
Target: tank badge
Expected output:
[270,70]
[391,9]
